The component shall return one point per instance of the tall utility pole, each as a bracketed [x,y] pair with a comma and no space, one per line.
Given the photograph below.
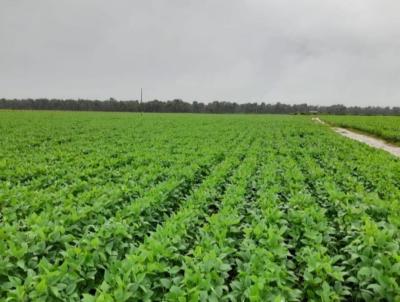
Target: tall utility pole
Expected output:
[141,101]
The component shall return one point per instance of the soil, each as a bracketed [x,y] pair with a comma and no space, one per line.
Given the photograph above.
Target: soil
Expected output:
[317,119]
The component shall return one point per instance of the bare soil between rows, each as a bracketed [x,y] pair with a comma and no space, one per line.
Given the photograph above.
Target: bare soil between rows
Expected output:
[363,138]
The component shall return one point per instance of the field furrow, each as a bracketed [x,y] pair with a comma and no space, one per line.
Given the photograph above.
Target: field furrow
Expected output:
[110,207]
[209,266]
[160,257]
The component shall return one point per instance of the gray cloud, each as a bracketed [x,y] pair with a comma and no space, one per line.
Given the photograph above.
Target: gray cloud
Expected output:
[322,52]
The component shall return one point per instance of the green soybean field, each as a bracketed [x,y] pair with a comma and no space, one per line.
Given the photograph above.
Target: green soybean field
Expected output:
[190,207]
[386,127]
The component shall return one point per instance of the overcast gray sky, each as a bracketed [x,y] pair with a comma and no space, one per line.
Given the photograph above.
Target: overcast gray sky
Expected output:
[321,52]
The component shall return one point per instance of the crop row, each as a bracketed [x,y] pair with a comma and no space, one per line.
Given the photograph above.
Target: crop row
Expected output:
[194,208]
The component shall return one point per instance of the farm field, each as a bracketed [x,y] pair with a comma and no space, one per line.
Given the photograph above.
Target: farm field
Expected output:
[386,127]
[180,207]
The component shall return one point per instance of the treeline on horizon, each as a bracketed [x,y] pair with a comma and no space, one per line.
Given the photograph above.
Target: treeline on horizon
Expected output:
[179,106]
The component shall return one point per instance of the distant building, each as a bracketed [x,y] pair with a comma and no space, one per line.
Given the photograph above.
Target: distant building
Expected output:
[311,112]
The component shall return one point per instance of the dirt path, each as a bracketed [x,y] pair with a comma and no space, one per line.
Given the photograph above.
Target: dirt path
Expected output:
[371,141]
[316,119]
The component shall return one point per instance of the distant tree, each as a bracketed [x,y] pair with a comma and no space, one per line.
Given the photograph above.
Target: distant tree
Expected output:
[178,105]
